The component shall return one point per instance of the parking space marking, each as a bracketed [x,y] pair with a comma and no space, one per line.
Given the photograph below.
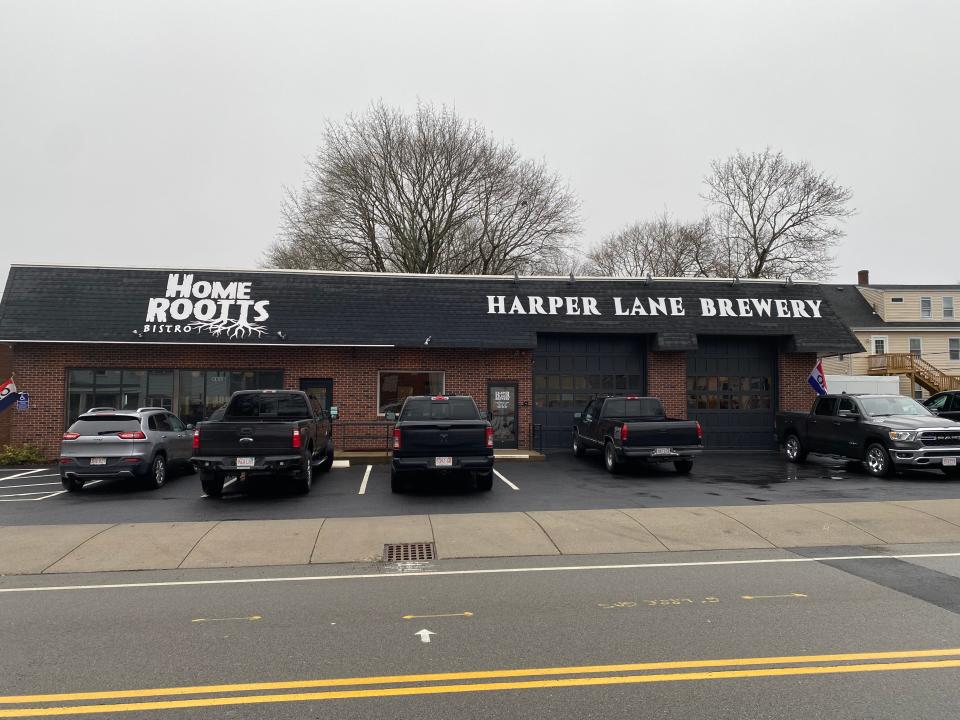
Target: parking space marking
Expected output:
[366,476]
[92,483]
[229,482]
[341,464]
[21,474]
[45,496]
[31,477]
[14,487]
[509,484]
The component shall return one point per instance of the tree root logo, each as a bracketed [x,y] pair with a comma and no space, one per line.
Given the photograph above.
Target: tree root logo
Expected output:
[222,310]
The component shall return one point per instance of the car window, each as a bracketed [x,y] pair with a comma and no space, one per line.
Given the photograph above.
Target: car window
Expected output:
[282,406]
[152,423]
[591,409]
[892,405]
[953,403]
[449,409]
[163,423]
[105,424]
[176,423]
[825,406]
[939,402]
[848,405]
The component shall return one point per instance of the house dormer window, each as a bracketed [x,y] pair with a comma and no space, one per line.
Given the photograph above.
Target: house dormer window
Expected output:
[926,308]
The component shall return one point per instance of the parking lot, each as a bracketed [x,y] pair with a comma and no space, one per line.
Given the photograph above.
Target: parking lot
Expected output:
[561,482]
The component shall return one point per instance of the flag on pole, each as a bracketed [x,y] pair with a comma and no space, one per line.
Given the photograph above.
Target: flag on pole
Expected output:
[817,379]
[8,394]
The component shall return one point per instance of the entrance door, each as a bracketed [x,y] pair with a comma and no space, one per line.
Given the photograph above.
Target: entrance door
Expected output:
[502,403]
[320,388]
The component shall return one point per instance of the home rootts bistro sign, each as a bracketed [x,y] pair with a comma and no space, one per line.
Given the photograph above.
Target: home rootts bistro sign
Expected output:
[652,306]
[202,306]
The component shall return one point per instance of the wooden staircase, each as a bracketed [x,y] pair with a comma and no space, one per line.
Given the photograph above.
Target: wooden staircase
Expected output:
[929,377]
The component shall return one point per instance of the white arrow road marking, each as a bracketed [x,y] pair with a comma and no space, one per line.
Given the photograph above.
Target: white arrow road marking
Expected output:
[366,476]
[510,484]
[425,635]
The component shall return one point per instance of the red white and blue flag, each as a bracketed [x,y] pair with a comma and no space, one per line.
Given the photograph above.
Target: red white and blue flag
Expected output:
[8,394]
[817,379]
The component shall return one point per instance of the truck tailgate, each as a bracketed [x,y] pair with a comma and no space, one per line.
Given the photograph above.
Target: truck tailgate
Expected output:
[249,438]
[462,437]
[661,433]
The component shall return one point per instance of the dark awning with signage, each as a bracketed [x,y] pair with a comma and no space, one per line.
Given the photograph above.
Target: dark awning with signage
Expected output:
[74,304]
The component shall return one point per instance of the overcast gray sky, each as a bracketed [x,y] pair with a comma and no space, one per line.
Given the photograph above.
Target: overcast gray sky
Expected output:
[162,133]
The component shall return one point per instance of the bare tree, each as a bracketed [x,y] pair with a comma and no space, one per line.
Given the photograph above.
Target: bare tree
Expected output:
[662,247]
[773,217]
[429,193]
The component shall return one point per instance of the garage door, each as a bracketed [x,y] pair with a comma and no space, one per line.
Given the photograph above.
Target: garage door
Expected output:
[731,390]
[570,369]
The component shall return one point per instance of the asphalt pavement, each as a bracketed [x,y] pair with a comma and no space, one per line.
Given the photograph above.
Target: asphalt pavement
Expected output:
[735,634]
[561,482]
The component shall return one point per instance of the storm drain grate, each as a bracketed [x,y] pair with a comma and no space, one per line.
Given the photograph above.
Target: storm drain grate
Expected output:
[409,552]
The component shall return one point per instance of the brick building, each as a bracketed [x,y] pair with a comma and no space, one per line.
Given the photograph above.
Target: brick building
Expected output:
[533,350]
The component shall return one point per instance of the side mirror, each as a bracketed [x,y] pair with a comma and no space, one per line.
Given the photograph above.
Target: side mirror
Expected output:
[933,410]
[390,416]
[848,414]
[189,426]
[334,412]
[577,416]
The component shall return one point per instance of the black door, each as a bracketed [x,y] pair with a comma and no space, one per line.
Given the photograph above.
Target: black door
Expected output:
[731,390]
[568,370]
[502,404]
[319,388]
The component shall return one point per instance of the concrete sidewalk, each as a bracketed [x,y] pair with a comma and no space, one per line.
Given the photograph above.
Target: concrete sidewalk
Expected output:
[37,549]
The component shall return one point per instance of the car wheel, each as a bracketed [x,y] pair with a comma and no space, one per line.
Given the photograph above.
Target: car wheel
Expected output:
[485,481]
[212,483]
[71,484]
[305,479]
[397,483]
[157,475]
[578,449]
[877,460]
[610,458]
[794,449]
[683,466]
[327,461]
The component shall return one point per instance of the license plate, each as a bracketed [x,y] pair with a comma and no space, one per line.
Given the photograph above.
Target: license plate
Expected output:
[98,461]
[245,462]
[663,451]
[443,461]
[950,462]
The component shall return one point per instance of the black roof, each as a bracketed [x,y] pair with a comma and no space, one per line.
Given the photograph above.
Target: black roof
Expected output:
[856,311]
[297,308]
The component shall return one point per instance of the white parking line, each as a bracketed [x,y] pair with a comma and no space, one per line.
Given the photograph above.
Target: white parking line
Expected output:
[13,487]
[42,492]
[229,482]
[92,483]
[509,484]
[46,496]
[21,474]
[341,464]
[366,476]
[31,477]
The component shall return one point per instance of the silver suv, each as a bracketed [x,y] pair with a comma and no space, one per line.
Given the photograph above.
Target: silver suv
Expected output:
[146,443]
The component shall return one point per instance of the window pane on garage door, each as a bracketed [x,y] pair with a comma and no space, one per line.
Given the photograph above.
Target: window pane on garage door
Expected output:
[731,390]
[570,369]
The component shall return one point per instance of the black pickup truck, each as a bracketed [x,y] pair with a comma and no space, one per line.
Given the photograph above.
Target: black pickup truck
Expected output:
[884,432]
[264,433]
[628,427]
[440,435]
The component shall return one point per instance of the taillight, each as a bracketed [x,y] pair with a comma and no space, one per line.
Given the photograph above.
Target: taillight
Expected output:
[296,438]
[70,436]
[489,437]
[196,439]
[623,433]
[699,431]
[396,438]
[131,435]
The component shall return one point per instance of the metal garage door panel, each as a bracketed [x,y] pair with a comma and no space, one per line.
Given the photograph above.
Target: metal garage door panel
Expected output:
[732,390]
[569,369]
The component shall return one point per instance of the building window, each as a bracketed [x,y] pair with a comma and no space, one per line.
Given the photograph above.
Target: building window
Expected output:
[898,300]
[954,348]
[395,386]
[926,308]
[948,308]
[727,392]
[879,345]
[200,392]
[916,346]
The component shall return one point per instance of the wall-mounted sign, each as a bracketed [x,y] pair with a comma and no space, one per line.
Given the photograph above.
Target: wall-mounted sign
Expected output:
[203,306]
[652,306]
[23,401]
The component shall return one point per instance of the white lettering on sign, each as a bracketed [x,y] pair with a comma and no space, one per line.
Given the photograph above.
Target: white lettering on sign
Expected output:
[653,306]
[214,307]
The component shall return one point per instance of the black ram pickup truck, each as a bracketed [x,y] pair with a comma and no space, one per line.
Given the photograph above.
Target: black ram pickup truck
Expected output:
[884,432]
[440,435]
[264,433]
[628,427]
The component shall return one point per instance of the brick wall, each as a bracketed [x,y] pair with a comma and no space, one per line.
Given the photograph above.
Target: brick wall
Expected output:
[794,368]
[6,417]
[667,380]
[41,371]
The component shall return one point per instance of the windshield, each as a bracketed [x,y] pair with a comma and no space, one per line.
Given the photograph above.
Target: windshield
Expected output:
[282,406]
[892,405]
[451,409]
[105,425]
[635,408]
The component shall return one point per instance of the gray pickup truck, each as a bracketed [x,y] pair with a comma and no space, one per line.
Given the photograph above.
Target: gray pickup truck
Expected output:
[629,427]
[884,432]
[264,433]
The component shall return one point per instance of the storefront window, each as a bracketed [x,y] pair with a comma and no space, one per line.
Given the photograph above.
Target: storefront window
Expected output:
[395,386]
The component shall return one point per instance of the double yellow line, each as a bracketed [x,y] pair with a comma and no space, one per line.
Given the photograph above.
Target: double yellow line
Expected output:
[465,682]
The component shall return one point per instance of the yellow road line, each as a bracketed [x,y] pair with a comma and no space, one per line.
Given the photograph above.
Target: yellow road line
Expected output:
[474,675]
[476,687]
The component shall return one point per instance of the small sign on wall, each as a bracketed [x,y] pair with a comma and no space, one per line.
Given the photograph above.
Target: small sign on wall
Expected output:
[23,401]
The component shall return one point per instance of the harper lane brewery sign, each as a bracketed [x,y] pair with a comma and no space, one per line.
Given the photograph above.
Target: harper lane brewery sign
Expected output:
[221,309]
[652,306]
